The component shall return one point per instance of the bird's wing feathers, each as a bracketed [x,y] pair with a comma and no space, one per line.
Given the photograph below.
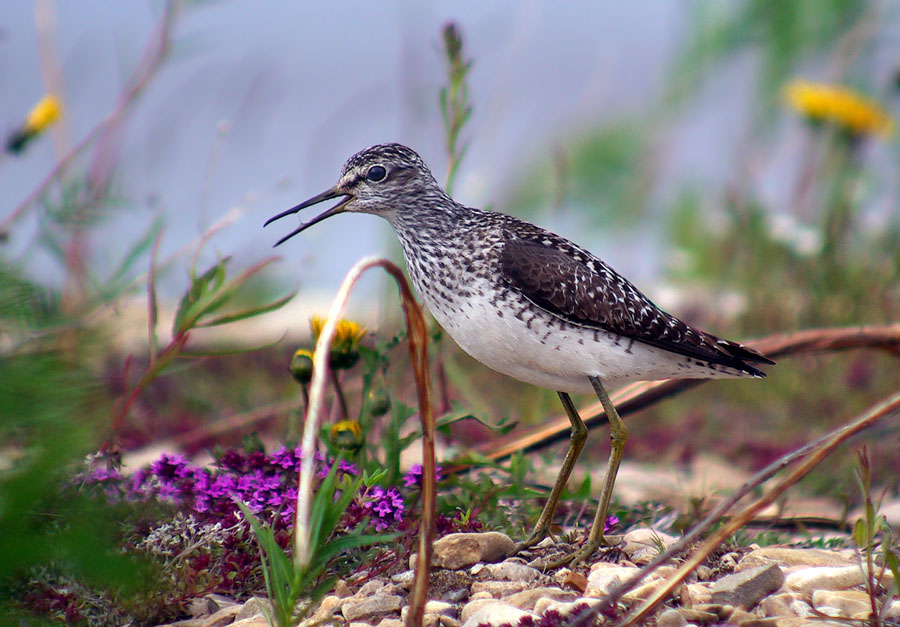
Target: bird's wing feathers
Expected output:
[572,284]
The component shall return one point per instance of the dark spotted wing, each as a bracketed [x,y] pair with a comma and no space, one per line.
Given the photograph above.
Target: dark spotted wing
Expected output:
[574,285]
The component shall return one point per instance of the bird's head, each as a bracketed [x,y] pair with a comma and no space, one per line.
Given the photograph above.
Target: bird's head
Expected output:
[378,180]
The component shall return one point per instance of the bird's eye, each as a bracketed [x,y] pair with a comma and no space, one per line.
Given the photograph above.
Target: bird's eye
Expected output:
[376,173]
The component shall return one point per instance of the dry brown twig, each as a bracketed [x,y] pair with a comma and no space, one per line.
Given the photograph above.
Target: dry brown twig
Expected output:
[418,347]
[814,452]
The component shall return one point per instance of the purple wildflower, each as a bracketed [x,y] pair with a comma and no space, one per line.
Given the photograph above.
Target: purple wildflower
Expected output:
[413,476]
[386,506]
[611,521]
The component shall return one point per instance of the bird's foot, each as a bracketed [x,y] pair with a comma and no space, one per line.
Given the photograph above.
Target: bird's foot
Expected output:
[581,555]
[533,539]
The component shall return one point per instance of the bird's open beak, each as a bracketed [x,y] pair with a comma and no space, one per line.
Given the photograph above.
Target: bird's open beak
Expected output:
[315,200]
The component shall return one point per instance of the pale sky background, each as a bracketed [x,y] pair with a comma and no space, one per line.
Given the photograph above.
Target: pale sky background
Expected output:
[260,104]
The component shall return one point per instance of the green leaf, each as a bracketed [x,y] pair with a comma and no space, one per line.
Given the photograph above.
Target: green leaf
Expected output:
[859,534]
[248,313]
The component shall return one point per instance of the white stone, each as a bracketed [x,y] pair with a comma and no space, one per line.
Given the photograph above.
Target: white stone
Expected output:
[497,613]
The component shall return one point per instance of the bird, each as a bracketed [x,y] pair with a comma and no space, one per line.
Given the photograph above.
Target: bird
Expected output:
[529,304]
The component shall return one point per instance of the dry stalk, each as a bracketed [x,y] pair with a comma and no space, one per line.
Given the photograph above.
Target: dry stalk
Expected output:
[418,347]
[815,452]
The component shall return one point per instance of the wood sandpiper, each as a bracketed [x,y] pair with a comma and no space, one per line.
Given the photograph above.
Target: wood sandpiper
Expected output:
[529,304]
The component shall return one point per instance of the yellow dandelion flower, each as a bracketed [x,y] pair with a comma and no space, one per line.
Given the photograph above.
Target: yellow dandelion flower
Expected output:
[44,113]
[302,365]
[347,435]
[839,105]
[344,349]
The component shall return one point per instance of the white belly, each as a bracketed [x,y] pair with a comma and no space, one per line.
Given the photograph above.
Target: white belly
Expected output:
[538,349]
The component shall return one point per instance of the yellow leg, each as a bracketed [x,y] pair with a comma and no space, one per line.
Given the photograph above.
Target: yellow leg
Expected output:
[618,434]
[577,439]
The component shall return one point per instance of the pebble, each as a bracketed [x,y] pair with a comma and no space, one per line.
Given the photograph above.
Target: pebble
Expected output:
[405,578]
[671,618]
[498,589]
[371,606]
[780,604]
[794,557]
[698,617]
[368,588]
[327,607]
[699,593]
[252,608]
[497,613]
[604,577]
[253,621]
[527,599]
[341,589]
[222,617]
[390,622]
[461,550]
[470,608]
[564,608]
[747,588]
[824,578]
[509,571]
[843,603]
[642,545]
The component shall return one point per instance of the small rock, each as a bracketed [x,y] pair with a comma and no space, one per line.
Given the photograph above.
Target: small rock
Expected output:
[404,579]
[219,601]
[440,607]
[671,618]
[698,617]
[510,571]
[575,580]
[327,607]
[254,607]
[729,561]
[457,596]
[793,557]
[390,622]
[498,589]
[801,609]
[526,599]
[253,621]
[846,603]
[223,617]
[699,593]
[722,612]
[704,573]
[642,545]
[824,578]
[199,608]
[565,608]
[769,622]
[645,590]
[480,595]
[341,589]
[370,606]
[748,587]
[780,604]
[460,550]
[369,588]
[472,607]
[603,579]
[739,615]
[497,613]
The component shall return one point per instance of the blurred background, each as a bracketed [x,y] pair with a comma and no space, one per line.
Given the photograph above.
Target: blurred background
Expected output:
[737,161]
